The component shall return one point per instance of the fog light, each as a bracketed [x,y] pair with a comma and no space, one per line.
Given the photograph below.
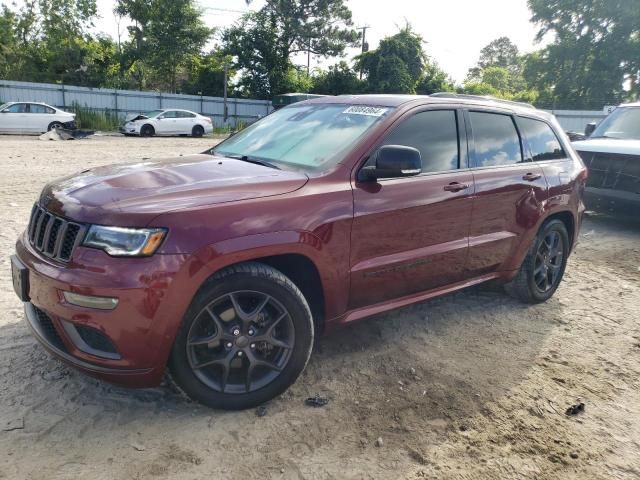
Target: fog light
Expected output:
[88,301]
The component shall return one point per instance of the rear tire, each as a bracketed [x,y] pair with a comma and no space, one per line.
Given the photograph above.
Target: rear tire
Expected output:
[147,131]
[230,360]
[197,131]
[543,267]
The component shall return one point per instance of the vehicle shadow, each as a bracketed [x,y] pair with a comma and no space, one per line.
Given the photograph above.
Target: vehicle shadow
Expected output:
[459,341]
[414,375]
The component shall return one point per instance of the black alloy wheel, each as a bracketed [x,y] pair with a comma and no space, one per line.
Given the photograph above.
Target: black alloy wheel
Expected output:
[240,342]
[244,340]
[543,267]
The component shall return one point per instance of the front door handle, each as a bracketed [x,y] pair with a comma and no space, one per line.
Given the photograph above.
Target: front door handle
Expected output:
[531,177]
[455,187]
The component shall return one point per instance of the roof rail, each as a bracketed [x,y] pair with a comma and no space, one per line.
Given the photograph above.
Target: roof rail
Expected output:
[480,97]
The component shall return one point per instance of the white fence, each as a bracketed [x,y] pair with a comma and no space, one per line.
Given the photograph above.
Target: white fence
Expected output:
[130,101]
[576,120]
[238,110]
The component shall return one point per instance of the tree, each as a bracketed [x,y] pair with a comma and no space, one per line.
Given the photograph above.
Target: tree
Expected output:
[205,74]
[8,42]
[164,35]
[595,49]
[339,79]
[501,52]
[434,80]
[397,65]
[263,42]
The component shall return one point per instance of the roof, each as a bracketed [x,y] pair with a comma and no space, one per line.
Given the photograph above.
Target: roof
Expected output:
[632,104]
[383,100]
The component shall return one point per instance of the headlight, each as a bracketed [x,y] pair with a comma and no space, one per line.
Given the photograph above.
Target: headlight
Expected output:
[130,242]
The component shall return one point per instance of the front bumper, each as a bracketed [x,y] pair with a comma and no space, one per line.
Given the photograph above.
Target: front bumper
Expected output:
[129,130]
[152,295]
[70,125]
[46,333]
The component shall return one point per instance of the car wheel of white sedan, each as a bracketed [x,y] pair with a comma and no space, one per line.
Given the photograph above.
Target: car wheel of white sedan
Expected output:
[147,131]
[197,131]
[55,126]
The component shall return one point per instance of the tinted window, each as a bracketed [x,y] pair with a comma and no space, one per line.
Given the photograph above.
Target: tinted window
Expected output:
[543,143]
[435,134]
[496,139]
[170,114]
[185,115]
[17,108]
[36,108]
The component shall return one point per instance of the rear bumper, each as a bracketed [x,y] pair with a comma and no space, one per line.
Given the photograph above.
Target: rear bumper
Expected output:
[612,201]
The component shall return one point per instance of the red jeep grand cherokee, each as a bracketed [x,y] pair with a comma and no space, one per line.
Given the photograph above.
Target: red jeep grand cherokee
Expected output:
[223,266]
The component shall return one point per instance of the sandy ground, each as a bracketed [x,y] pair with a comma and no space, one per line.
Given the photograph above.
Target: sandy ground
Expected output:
[473,385]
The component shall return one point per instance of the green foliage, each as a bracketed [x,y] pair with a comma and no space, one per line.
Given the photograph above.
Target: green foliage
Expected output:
[595,49]
[339,79]
[501,52]
[397,65]
[263,42]
[92,119]
[434,80]
[204,74]
[164,35]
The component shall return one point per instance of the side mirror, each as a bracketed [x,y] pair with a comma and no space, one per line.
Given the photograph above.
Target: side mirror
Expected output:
[393,161]
[588,130]
[161,117]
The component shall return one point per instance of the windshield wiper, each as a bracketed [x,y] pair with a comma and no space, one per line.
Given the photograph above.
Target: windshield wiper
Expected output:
[246,158]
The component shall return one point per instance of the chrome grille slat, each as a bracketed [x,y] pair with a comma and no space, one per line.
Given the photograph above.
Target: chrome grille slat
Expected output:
[53,236]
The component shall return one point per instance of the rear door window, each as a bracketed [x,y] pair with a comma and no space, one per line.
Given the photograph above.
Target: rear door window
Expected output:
[435,134]
[496,139]
[542,142]
[37,108]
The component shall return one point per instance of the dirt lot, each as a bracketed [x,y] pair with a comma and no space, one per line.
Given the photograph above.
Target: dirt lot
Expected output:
[473,385]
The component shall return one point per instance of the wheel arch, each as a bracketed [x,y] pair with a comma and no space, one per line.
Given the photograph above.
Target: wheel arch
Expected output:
[291,253]
[566,217]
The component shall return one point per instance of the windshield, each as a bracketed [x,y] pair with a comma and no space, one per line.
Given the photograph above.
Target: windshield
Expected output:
[307,136]
[622,123]
[3,106]
[153,113]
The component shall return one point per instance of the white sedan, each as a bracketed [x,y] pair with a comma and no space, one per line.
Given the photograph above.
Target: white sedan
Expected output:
[33,117]
[168,122]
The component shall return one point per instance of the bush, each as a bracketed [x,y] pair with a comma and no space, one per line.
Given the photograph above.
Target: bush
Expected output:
[94,119]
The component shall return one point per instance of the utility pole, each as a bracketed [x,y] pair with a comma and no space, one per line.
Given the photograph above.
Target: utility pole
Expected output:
[365,46]
[226,74]
[309,56]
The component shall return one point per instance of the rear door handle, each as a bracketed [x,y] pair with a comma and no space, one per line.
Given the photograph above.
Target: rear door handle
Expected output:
[530,177]
[455,187]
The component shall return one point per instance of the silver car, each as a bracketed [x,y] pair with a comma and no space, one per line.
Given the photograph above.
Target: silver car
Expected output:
[33,117]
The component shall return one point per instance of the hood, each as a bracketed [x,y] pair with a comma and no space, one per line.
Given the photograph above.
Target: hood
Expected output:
[608,145]
[133,194]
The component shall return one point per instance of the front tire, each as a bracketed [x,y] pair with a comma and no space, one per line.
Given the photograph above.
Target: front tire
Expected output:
[55,126]
[246,337]
[544,266]
[147,131]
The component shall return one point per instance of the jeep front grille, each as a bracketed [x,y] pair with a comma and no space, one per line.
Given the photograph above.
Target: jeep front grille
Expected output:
[53,236]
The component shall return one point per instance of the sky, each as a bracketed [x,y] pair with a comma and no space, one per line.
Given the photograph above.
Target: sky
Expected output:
[455,30]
